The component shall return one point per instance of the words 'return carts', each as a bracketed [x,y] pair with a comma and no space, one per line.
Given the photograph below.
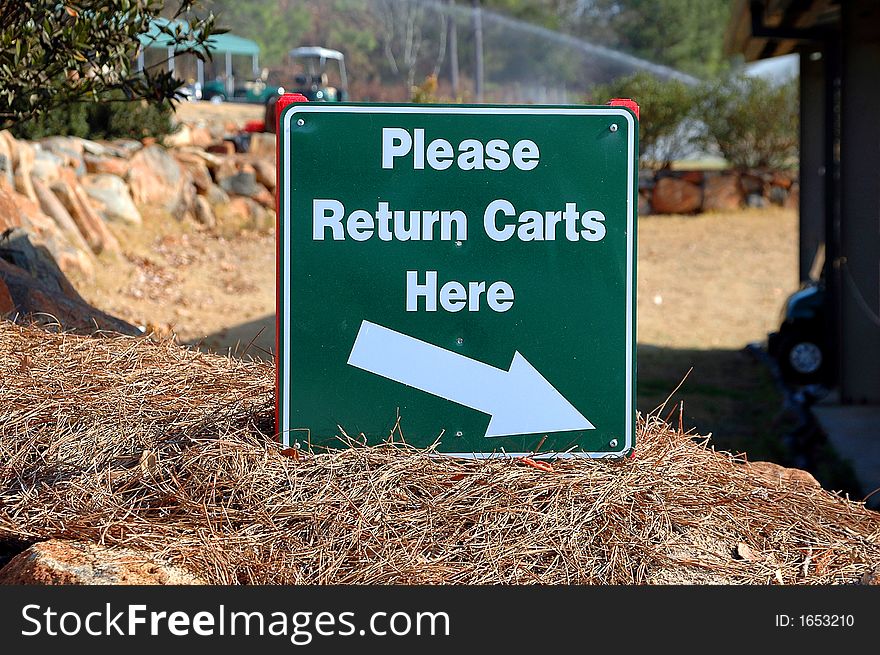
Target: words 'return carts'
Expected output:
[464,272]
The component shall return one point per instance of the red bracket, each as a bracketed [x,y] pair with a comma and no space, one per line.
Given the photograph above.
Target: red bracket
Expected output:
[282,102]
[632,105]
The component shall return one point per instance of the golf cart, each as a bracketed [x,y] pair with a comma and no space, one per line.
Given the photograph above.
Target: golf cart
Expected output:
[258,91]
[314,77]
[312,73]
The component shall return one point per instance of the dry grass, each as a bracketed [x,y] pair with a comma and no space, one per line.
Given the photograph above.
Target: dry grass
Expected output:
[154,447]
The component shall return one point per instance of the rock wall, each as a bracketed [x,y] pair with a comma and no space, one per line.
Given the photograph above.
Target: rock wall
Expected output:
[63,195]
[691,192]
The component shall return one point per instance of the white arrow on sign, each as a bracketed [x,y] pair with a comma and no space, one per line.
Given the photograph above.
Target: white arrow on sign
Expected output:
[519,400]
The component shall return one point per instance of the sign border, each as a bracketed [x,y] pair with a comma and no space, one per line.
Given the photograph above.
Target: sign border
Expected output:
[284,220]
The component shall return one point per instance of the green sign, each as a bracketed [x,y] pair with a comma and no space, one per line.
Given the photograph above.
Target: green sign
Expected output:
[465,273]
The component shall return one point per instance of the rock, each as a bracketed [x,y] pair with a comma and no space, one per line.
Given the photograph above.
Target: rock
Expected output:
[53,208]
[756,200]
[262,144]
[646,179]
[203,212]
[222,148]
[198,170]
[871,577]
[793,200]
[242,183]
[49,298]
[57,562]
[777,195]
[8,146]
[182,136]
[90,225]
[69,149]
[265,197]
[23,168]
[156,178]
[109,165]
[752,183]
[722,193]
[36,261]
[47,166]
[695,177]
[644,204]
[126,147]
[675,196]
[776,474]
[245,213]
[265,171]
[110,197]
[216,196]
[7,306]
[212,161]
[784,180]
[10,216]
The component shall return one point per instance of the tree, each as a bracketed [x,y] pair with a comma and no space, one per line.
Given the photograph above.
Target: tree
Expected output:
[57,52]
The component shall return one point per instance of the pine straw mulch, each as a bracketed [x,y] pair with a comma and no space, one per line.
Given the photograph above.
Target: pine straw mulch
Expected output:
[151,446]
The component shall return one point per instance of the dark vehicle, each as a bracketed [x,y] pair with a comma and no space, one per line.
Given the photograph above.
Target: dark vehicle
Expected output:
[800,346]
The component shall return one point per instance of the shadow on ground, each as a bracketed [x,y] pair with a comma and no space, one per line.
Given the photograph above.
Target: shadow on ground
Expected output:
[728,395]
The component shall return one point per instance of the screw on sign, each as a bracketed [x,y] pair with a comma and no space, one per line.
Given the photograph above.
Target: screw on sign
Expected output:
[466,270]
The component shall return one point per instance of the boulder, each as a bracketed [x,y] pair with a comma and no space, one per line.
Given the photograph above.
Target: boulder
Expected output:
[23,169]
[776,474]
[262,144]
[794,197]
[181,136]
[216,196]
[58,562]
[203,212]
[46,296]
[8,147]
[10,216]
[7,305]
[265,197]
[241,183]
[110,197]
[756,201]
[156,178]
[69,149]
[198,171]
[90,225]
[245,213]
[265,171]
[126,147]
[210,160]
[47,166]
[752,183]
[52,207]
[696,177]
[675,196]
[222,148]
[110,165]
[777,195]
[644,204]
[722,193]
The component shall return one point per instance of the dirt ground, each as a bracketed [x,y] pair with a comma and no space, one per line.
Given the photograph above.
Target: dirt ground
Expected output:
[221,113]
[708,286]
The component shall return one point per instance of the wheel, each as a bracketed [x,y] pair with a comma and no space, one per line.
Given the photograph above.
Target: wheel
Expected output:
[217,99]
[801,356]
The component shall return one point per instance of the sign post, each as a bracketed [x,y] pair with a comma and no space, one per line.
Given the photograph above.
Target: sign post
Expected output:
[466,273]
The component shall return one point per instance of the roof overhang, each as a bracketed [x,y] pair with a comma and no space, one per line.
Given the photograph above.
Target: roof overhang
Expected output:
[760,29]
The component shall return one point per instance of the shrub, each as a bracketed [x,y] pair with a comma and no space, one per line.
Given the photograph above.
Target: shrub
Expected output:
[753,122]
[111,118]
[665,133]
